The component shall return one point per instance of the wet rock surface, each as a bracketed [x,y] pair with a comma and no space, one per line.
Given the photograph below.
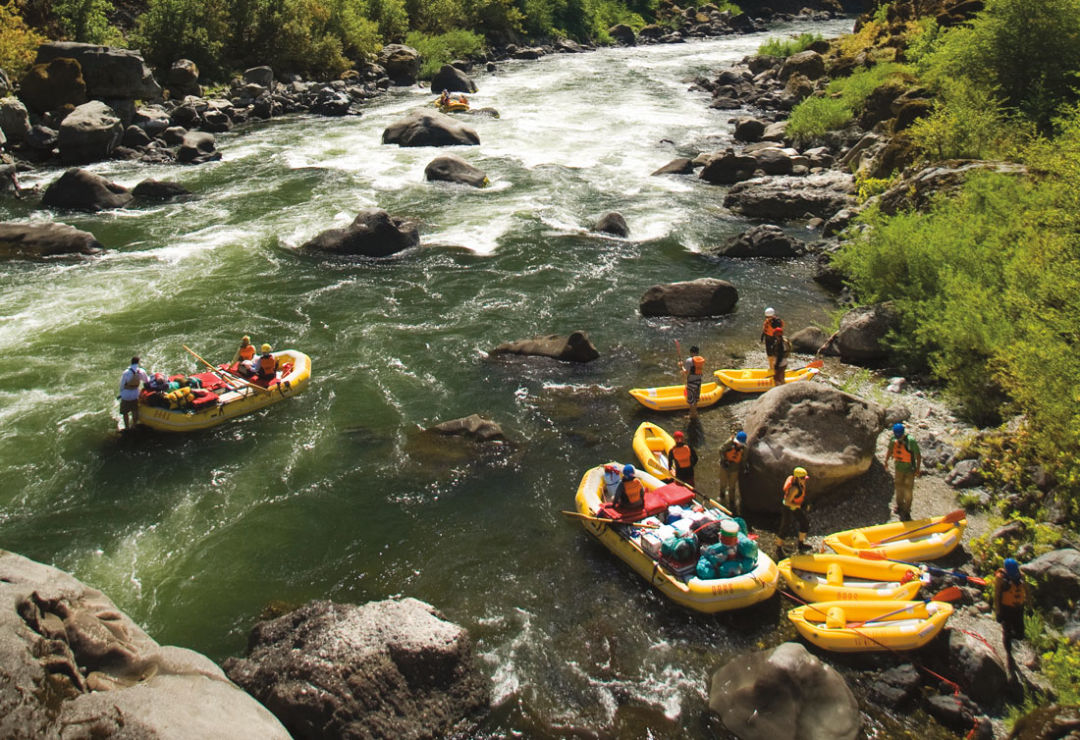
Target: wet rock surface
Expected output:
[40,240]
[577,347]
[694,298]
[373,233]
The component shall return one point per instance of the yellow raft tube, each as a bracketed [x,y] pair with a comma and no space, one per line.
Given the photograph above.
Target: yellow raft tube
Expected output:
[870,626]
[237,400]
[708,596]
[922,539]
[758,380]
[651,444]
[828,577]
[673,397]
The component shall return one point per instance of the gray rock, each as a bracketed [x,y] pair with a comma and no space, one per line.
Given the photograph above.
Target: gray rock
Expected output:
[174,135]
[622,34]
[808,340]
[749,129]
[135,137]
[109,72]
[14,120]
[727,167]
[784,694]
[839,222]
[262,76]
[791,198]
[39,240]
[695,298]
[159,190]
[896,686]
[42,138]
[52,86]
[80,190]
[332,103]
[830,433]
[573,348]
[373,233]
[966,474]
[976,657]
[775,161]
[89,133]
[452,168]
[197,147]
[1057,575]
[452,79]
[917,190]
[677,166]
[809,64]
[183,79]
[429,128]
[775,131]
[862,331]
[402,63]
[612,223]
[473,426]
[385,669]
[764,240]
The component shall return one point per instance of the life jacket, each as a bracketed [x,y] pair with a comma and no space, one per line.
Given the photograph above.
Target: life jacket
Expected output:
[680,453]
[179,398]
[900,451]
[734,455]
[133,382]
[267,365]
[800,484]
[635,492]
[246,353]
[699,365]
[1013,593]
[773,326]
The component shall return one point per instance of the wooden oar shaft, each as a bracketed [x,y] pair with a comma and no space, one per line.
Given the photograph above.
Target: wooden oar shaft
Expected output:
[950,518]
[603,520]
[701,495]
[871,555]
[222,373]
[947,594]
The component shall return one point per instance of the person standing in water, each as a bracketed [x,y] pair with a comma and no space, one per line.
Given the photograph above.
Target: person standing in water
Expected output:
[130,383]
[693,367]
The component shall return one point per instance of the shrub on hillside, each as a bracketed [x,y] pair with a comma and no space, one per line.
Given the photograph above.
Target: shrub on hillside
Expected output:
[968,122]
[87,21]
[776,47]
[184,29]
[817,115]
[18,42]
[435,51]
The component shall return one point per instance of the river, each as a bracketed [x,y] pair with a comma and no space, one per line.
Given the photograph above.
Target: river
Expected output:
[335,494]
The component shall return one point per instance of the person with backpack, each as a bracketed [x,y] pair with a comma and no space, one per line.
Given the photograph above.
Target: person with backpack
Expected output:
[904,451]
[732,455]
[792,511]
[693,367]
[681,459]
[772,333]
[130,383]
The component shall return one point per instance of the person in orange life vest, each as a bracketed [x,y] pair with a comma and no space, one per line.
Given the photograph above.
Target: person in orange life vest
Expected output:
[245,352]
[904,450]
[266,366]
[693,367]
[1010,594]
[732,455]
[130,381]
[772,333]
[681,459]
[793,513]
[630,495]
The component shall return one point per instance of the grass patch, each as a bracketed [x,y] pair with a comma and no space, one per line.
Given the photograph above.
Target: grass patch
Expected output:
[817,115]
[439,49]
[778,47]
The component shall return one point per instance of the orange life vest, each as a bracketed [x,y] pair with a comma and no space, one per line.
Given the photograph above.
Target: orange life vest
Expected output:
[634,491]
[699,364]
[734,455]
[267,365]
[681,455]
[1013,593]
[900,452]
[246,353]
[773,326]
[795,500]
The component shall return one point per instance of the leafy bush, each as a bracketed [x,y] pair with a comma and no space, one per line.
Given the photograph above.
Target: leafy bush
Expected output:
[87,21]
[392,19]
[184,29]
[854,90]
[18,42]
[435,51]
[815,116]
[776,47]
[968,122]
[868,187]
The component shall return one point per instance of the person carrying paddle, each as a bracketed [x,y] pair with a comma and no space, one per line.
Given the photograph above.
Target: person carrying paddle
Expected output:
[693,367]
[1010,595]
[772,333]
[792,512]
[731,462]
[681,459]
[904,450]
[130,383]
[630,495]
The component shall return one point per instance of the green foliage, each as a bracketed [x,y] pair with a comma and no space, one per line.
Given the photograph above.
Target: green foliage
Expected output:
[87,21]
[989,555]
[968,122]
[435,51]
[868,187]
[494,17]
[184,29]
[815,116]
[777,47]
[854,90]
[18,42]
[392,19]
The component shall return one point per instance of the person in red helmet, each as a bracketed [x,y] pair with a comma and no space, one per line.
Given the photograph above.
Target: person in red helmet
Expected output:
[681,459]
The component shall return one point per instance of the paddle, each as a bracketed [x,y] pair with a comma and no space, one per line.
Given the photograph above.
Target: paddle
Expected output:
[222,373]
[602,520]
[952,593]
[951,518]
[871,555]
[816,363]
[678,357]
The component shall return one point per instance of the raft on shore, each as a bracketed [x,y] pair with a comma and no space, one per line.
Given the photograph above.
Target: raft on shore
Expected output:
[673,397]
[829,577]
[759,380]
[870,626]
[921,539]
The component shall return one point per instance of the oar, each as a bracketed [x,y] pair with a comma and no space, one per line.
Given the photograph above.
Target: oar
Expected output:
[678,356]
[871,555]
[952,593]
[815,363]
[602,520]
[222,373]
[951,518]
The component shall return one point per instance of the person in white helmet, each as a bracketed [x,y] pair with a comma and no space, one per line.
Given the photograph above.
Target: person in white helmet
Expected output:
[772,333]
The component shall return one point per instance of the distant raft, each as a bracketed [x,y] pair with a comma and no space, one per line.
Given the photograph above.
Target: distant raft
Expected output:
[651,444]
[829,577]
[870,626]
[923,539]
[759,380]
[673,397]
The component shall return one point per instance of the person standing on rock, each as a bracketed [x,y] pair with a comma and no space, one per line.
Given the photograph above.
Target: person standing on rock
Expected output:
[908,464]
[130,382]
[731,462]
[793,512]
[1010,595]
[772,333]
[693,367]
[681,459]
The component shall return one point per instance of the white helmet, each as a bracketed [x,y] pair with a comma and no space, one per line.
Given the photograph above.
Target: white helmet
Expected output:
[770,312]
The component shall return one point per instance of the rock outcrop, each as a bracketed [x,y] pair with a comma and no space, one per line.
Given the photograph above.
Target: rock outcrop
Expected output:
[402,63]
[52,86]
[37,241]
[80,190]
[792,198]
[612,223]
[764,240]
[574,348]
[452,168]
[429,128]
[860,339]
[110,73]
[452,79]
[373,233]
[89,133]
[694,298]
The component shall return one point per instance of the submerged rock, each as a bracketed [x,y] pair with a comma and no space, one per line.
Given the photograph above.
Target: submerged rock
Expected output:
[35,241]
[80,190]
[765,240]
[704,297]
[373,233]
[473,426]
[612,223]
[452,168]
[159,190]
[429,128]
[574,348]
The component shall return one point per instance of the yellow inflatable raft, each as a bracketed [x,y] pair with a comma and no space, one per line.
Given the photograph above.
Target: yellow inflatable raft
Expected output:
[869,626]
[651,444]
[673,397]
[828,577]
[758,380]
[923,539]
[629,544]
[233,399]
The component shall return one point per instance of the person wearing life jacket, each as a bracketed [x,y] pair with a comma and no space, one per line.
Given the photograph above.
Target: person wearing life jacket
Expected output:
[793,511]
[732,457]
[612,478]
[266,365]
[904,451]
[681,459]
[630,495]
[1010,595]
[693,367]
[245,352]
[130,382]
[772,333]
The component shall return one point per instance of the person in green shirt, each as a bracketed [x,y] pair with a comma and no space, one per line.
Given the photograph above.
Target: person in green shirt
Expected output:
[904,451]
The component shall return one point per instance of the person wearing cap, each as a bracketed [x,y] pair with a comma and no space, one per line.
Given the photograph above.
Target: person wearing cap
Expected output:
[612,477]
[693,367]
[681,459]
[130,382]
[792,511]
[904,450]
[1010,595]
[772,333]
[245,352]
[266,366]
[630,495]
[732,455]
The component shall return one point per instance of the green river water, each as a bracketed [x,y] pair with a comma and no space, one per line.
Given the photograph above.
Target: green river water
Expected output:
[334,494]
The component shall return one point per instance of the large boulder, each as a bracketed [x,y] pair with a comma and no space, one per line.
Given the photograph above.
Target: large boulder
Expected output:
[89,133]
[809,64]
[574,348]
[52,86]
[862,331]
[1056,575]
[402,63]
[765,240]
[704,297]
[429,128]
[197,147]
[612,223]
[262,76]
[72,665]
[830,433]
[622,34]
[677,166]
[109,72]
[391,668]
[808,340]
[373,233]
[452,168]
[452,79]
[183,79]
[38,240]
[784,694]
[791,198]
[14,120]
[973,652]
[80,190]
[749,129]
[727,167]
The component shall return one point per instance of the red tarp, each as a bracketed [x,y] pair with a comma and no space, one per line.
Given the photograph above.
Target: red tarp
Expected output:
[656,501]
